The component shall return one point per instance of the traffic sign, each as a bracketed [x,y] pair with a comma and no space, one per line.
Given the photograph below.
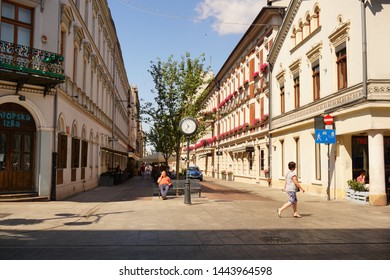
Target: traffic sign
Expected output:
[325,136]
[328,119]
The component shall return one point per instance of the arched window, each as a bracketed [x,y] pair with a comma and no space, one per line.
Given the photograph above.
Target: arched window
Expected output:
[316,17]
[308,25]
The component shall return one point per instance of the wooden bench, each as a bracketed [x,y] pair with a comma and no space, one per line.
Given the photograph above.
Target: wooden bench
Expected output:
[178,187]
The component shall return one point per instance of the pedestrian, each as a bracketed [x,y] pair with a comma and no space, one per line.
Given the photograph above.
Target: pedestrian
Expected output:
[163,184]
[291,186]
[362,177]
[142,170]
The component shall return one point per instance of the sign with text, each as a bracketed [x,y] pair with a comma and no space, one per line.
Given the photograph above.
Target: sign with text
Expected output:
[325,136]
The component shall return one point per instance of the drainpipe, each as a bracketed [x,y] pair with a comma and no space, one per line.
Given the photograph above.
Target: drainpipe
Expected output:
[270,148]
[54,156]
[364,47]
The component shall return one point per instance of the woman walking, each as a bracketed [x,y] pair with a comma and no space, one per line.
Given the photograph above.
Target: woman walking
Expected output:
[291,186]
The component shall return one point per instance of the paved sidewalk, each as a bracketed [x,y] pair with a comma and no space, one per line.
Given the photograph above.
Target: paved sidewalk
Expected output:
[230,221]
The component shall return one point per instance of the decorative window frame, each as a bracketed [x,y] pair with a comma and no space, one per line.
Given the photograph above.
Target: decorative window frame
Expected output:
[341,34]
[314,54]
[295,67]
[281,77]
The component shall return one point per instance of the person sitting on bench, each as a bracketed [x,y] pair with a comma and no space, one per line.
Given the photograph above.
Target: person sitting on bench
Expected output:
[163,184]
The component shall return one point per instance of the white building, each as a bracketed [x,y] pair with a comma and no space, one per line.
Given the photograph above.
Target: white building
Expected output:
[68,112]
[323,62]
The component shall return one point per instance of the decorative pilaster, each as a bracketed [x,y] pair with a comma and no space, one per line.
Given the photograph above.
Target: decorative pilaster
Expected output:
[377,168]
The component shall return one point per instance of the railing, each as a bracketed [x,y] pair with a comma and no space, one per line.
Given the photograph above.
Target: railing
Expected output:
[34,61]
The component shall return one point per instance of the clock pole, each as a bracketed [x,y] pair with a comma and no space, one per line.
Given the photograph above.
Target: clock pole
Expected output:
[188,127]
[187,189]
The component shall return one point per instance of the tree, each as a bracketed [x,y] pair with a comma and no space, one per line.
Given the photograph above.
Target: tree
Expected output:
[177,86]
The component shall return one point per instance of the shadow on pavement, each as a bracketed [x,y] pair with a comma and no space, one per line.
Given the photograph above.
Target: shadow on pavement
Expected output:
[308,244]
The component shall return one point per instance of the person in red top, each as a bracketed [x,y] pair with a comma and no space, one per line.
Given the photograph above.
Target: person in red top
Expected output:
[163,184]
[362,177]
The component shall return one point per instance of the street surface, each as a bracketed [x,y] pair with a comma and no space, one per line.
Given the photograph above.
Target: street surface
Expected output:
[230,220]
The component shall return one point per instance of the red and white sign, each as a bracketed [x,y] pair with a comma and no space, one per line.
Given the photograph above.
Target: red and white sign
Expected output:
[328,119]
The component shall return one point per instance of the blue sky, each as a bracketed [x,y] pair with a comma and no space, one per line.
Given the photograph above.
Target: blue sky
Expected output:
[151,29]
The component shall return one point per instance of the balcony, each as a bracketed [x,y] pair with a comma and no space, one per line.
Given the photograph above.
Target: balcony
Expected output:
[25,65]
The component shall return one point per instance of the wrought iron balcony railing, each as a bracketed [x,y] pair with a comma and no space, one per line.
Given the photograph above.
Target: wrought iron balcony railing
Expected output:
[18,59]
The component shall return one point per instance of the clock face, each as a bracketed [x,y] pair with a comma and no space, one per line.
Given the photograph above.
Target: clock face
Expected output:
[188,126]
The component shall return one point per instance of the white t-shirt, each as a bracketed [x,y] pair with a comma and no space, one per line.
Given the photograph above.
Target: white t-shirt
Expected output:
[290,185]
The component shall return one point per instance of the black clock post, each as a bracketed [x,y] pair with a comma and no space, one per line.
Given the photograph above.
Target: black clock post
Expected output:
[188,127]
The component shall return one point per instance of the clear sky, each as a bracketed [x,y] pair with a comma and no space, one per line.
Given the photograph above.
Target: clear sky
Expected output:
[151,29]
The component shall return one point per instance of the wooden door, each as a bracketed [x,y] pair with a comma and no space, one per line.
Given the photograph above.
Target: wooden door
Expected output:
[17,155]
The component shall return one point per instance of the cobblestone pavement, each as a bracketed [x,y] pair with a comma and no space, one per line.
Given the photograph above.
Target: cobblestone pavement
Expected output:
[229,221]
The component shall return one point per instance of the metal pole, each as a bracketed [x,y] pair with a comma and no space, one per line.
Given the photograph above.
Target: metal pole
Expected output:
[328,189]
[364,47]
[187,189]
[218,162]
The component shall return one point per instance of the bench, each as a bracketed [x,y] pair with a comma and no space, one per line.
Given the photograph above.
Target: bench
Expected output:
[178,187]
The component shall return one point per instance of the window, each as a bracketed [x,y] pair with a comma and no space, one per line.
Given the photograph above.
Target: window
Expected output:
[16,24]
[251,69]
[75,152]
[262,159]
[75,56]
[62,150]
[342,68]
[84,153]
[282,100]
[296,92]
[316,82]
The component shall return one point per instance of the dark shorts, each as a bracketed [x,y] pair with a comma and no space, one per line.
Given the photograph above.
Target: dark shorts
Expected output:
[292,197]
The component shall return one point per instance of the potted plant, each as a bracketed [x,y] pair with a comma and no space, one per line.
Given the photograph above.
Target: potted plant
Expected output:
[223,173]
[230,175]
[357,191]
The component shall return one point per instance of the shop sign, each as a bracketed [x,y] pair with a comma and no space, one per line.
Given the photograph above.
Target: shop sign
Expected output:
[14,119]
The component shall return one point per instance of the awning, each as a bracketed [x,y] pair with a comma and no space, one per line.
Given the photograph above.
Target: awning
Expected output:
[122,153]
[132,155]
[241,149]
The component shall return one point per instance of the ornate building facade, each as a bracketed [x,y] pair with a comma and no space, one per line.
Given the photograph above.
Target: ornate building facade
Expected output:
[68,111]
[294,66]
[236,108]
[329,59]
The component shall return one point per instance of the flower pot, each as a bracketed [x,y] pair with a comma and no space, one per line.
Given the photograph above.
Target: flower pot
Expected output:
[359,197]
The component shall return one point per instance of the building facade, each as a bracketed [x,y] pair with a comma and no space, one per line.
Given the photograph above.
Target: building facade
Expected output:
[68,111]
[294,66]
[329,58]
[236,108]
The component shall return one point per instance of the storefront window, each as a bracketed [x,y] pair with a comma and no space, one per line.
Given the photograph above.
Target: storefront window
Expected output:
[360,156]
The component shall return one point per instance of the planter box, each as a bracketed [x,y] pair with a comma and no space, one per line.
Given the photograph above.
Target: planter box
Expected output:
[359,197]
[223,176]
[230,177]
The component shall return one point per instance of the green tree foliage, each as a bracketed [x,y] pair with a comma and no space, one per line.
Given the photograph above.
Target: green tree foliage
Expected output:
[178,86]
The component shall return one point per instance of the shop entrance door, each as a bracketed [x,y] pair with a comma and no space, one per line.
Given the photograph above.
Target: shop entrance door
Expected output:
[17,137]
